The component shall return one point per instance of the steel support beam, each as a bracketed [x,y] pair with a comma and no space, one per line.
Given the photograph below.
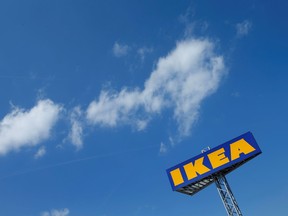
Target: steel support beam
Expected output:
[227,196]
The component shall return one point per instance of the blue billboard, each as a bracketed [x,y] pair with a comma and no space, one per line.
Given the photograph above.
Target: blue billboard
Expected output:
[229,154]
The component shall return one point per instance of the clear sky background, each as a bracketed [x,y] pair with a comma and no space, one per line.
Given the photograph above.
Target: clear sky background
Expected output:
[99,98]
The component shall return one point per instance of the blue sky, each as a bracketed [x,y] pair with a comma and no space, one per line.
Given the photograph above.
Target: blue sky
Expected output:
[99,98]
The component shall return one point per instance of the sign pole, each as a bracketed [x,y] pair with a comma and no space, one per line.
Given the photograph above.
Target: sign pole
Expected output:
[227,196]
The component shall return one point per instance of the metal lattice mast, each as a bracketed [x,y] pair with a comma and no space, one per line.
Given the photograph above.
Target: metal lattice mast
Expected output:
[227,196]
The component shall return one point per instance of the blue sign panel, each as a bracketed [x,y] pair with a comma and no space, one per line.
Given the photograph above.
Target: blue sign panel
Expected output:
[235,151]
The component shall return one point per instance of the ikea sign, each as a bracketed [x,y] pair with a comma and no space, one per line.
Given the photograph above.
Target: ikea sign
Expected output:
[223,158]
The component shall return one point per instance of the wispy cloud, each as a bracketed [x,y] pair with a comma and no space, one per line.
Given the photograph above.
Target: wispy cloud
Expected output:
[55,212]
[163,148]
[143,51]
[120,50]
[21,128]
[40,153]
[192,26]
[76,132]
[181,81]
[142,124]
[243,28]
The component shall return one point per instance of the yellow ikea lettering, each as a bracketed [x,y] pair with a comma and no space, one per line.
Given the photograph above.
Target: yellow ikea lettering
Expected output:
[198,167]
[176,177]
[239,147]
[218,158]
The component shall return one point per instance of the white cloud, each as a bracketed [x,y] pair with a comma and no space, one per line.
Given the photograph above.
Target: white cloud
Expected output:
[120,50]
[171,141]
[76,132]
[40,153]
[243,28]
[163,148]
[22,128]
[141,124]
[55,212]
[113,108]
[181,81]
[192,26]
[143,51]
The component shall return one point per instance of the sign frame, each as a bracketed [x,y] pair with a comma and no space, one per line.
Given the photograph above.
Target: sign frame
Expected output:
[180,176]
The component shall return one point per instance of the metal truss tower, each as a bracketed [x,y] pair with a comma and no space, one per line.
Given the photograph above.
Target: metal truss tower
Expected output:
[227,196]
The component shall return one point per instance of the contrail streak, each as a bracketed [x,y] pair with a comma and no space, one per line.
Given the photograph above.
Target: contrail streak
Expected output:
[22,172]
[28,77]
